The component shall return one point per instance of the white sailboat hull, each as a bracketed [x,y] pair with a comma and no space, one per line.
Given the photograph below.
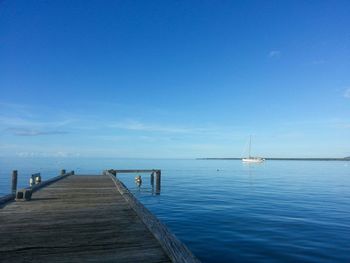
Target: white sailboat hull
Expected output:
[253,160]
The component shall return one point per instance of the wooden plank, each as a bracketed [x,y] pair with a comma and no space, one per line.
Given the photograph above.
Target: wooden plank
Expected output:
[78,218]
[37,187]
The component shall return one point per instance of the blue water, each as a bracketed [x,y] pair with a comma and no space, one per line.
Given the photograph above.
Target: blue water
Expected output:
[279,211]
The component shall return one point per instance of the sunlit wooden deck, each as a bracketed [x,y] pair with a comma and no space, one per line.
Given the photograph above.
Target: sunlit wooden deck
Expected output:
[79,218]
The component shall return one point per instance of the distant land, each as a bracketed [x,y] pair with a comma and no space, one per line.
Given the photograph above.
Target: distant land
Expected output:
[285,159]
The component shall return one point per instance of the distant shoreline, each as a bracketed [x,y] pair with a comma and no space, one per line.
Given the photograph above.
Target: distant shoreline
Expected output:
[284,159]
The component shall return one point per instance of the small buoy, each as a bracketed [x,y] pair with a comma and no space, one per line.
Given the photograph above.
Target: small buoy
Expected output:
[217,170]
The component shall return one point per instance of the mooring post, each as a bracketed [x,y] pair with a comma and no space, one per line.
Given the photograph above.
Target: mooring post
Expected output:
[152,179]
[14,182]
[158,175]
[63,172]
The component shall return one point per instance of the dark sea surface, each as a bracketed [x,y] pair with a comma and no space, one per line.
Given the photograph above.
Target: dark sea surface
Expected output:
[226,211]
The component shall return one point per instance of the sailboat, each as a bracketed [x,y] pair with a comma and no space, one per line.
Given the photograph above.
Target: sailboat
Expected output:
[251,159]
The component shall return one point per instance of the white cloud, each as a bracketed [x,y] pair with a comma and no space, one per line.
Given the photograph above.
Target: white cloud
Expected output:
[275,54]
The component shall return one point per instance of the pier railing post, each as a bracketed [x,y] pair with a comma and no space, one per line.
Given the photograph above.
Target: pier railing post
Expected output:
[14,182]
[152,179]
[158,175]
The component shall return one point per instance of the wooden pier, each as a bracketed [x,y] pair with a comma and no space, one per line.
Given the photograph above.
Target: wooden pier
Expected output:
[79,218]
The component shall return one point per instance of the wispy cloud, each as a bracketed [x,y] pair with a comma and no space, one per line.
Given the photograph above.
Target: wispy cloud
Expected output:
[29,132]
[333,123]
[176,133]
[32,154]
[19,126]
[23,122]
[274,54]
[347,93]
[15,108]
[19,120]
[138,126]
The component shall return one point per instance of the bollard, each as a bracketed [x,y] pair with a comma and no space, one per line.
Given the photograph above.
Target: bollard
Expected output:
[138,180]
[24,195]
[63,172]
[37,179]
[31,181]
[14,182]
[158,175]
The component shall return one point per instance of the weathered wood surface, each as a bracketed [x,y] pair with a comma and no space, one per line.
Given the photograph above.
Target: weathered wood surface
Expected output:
[76,219]
[37,187]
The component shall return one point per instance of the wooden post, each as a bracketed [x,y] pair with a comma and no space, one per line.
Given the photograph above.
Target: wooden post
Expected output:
[63,172]
[158,175]
[14,181]
[152,179]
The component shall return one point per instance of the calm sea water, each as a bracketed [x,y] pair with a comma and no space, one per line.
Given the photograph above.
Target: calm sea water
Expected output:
[225,211]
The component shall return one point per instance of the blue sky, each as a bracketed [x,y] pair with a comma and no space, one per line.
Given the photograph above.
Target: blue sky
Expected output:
[179,79]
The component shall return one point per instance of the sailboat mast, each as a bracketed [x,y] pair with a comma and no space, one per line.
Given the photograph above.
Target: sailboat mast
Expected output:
[250,144]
